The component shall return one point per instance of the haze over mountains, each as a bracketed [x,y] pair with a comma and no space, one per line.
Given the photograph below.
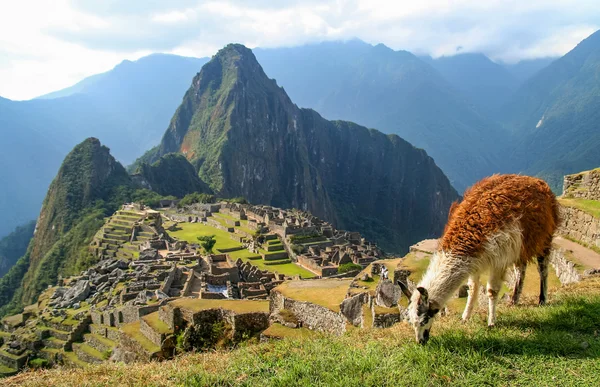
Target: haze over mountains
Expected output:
[473,116]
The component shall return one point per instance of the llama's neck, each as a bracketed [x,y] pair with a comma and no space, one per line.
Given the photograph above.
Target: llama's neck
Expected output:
[444,275]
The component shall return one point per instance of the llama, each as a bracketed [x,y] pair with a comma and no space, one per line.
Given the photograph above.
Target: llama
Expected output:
[502,221]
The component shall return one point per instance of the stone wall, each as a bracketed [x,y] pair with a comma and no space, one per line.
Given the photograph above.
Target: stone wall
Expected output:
[565,269]
[583,185]
[166,286]
[579,225]
[309,315]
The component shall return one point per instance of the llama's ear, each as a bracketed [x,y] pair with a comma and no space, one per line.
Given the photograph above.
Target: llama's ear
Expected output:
[405,289]
[434,309]
[424,294]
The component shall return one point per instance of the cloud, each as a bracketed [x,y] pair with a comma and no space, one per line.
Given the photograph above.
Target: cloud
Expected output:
[65,40]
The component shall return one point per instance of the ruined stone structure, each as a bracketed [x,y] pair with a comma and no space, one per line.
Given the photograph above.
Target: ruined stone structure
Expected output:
[583,185]
[579,225]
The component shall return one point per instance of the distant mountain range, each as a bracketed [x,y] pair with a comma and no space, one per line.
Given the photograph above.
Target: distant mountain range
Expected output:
[555,115]
[129,107]
[473,116]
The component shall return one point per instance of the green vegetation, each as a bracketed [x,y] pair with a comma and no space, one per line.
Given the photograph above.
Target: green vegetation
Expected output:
[173,175]
[38,363]
[133,330]
[207,242]
[14,246]
[592,207]
[196,197]
[244,254]
[239,200]
[287,269]
[190,231]
[302,237]
[156,323]
[347,267]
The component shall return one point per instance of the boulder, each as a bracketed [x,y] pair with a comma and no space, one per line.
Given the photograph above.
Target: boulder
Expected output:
[387,294]
[149,254]
[79,292]
[352,308]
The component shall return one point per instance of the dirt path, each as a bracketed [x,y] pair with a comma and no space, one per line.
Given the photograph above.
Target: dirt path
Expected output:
[585,256]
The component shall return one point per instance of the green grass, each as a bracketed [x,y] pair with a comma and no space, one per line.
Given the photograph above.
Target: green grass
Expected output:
[5,369]
[244,254]
[156,323]
[90,350]
[133,330]
[224,216]
[555,345]
[190,231]
[591,207]
[287,269]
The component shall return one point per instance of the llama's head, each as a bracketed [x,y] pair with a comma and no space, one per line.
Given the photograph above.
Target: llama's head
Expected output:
[421,312]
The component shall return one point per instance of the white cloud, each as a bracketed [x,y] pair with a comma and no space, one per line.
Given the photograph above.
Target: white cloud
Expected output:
[62,41]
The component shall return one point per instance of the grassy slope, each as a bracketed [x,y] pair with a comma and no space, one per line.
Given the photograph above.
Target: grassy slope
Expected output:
[553,345]
[289,269]
[190,231]
[592,207]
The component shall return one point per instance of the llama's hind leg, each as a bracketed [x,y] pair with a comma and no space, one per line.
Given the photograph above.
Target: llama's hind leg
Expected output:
[472,298]
[519,271]
[543,270]
[493,289]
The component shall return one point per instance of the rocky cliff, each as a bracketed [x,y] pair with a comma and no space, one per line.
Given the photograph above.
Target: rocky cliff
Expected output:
[245,137]
[172,174]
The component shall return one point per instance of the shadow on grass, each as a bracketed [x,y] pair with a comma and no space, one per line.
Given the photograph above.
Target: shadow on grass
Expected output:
[569,328]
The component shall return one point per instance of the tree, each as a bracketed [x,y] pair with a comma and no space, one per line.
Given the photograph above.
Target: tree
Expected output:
[207,242]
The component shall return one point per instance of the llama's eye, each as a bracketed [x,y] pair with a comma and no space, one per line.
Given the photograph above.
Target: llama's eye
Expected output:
[424,321]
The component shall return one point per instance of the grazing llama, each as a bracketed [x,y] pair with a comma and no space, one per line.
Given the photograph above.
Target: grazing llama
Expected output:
[503,221]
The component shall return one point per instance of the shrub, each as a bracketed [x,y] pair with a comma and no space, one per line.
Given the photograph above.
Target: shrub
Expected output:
[302,237]
[196,197]
[38,363]
[348,267]
[207,242]
[297,249]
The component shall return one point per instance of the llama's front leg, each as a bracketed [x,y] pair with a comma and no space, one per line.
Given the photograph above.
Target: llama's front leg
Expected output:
[472,297]
[543,270]
[493,288]
[519,271]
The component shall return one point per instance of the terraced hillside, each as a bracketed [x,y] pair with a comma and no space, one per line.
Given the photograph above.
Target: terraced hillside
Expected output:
[125,234]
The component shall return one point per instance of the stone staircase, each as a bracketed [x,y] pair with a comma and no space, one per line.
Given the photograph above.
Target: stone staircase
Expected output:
[117,239]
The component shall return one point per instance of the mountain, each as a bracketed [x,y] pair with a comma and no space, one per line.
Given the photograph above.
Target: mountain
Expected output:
[556,115]
[171,175]
[128,107]
[90,185]
[525,69]
[246,138]
[14,245]
[485,84]
[397,93]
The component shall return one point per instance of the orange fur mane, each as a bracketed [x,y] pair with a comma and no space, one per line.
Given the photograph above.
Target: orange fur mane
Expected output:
[495,202]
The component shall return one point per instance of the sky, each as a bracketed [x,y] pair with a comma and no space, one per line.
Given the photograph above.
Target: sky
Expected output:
[47,45]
